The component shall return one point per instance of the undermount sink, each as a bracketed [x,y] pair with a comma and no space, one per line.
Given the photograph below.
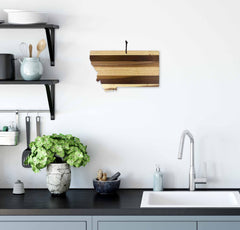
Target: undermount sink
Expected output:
[187,199]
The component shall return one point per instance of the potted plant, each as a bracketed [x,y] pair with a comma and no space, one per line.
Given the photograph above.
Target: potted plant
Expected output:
[57,153]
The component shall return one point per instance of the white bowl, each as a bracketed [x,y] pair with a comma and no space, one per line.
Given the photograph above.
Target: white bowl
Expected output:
[26,17]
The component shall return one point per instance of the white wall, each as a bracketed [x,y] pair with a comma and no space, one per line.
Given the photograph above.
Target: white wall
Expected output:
[132,129]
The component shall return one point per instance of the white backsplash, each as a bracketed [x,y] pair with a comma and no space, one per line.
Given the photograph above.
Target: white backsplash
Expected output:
[132,129]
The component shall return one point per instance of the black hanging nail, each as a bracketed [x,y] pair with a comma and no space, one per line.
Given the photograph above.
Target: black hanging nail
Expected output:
[126,44]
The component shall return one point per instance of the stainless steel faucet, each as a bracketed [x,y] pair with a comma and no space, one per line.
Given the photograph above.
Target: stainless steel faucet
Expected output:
[192,176]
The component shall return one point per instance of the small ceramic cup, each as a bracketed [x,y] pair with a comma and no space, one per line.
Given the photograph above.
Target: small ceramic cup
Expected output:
[18,187]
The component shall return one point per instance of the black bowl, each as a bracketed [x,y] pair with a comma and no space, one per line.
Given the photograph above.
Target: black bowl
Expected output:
[106,187]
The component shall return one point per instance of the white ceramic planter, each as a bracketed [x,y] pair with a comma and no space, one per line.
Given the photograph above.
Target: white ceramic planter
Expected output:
[58,178]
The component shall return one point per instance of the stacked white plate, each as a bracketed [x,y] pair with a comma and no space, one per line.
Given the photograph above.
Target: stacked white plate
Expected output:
[26,17]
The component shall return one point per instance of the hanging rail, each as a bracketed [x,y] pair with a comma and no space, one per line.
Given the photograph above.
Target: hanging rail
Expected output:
[23,111]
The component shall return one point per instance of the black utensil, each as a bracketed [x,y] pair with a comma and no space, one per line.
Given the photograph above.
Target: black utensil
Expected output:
[38,126]
[27,151]
[115,176]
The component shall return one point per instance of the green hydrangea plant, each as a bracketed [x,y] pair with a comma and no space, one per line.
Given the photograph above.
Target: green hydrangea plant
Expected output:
[57,149]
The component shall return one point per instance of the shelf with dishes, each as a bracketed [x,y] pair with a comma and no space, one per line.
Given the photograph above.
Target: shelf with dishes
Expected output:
[50,34]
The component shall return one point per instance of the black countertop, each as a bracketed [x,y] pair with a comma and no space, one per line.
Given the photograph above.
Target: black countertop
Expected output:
[87,202]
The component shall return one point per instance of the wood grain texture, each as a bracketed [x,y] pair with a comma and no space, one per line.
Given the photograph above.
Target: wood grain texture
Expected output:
[118,69]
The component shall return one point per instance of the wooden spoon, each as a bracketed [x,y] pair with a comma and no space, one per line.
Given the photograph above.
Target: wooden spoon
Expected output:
[30,50]
[41,46]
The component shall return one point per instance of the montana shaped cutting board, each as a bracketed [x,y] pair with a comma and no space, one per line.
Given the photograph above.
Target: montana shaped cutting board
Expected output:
[118,69]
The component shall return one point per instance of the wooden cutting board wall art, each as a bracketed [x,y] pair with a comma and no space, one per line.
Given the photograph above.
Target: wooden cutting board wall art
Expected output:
[120,69]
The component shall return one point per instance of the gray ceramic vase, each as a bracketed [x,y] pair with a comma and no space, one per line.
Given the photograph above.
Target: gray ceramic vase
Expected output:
[58,178]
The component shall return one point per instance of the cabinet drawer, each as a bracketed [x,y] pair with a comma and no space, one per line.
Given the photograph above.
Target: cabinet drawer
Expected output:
[219,225]
[102,225]
[35,225]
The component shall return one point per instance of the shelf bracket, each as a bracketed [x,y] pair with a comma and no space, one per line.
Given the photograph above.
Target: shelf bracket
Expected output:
[50,90]
[50,34]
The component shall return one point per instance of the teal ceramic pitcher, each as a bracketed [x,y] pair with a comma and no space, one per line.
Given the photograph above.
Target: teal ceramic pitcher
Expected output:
[31,69]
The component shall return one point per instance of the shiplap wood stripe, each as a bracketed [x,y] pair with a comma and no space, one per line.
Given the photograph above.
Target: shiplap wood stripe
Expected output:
[125,57]
[125,63]
[132,80]
[109,87]
[122,52]
[128,71]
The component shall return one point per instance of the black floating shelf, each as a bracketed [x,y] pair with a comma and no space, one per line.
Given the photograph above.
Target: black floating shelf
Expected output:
[50,34]
[28,26]
[23,82]
[50,90]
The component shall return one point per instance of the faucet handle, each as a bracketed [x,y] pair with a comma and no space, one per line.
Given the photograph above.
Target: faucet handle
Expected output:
[200,180]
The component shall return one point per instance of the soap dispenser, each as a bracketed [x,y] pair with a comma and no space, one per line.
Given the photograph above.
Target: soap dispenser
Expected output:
[158,179]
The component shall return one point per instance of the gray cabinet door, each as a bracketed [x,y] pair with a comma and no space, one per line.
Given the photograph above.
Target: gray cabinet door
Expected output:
[145,225]
[218,225]
[43,225]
